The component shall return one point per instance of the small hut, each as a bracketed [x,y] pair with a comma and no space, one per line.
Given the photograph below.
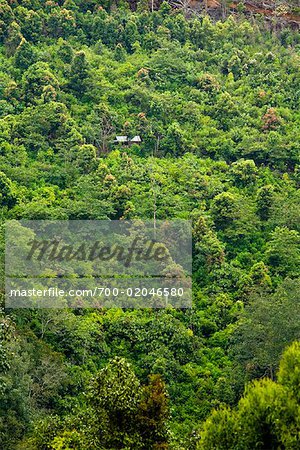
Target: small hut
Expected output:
[135,140]
[124,140]
[121,140]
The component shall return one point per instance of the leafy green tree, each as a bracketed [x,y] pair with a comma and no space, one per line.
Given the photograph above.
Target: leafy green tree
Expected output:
[244,172]
[209,251]
[154,414]
[264,201]
[116,395]
[219,431]
[8,194]
[257,342]
[31,23]
[6,17]
[79,73]
[267,416]
[13,39]
[225,209]
[35,79]
[25,55]
[84,157]
[288,374]
[61,22]
[283,252]
[45,126]
[65,51]
[175,142]
[120,53]
[6,334]
[131,35]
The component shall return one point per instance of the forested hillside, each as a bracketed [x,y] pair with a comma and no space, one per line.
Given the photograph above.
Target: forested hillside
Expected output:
[217,107]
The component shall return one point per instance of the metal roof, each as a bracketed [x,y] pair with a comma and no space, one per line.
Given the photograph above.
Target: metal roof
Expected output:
[121,138]
[136,139]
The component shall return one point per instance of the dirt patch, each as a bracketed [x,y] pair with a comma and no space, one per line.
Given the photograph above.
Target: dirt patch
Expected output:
[269,12]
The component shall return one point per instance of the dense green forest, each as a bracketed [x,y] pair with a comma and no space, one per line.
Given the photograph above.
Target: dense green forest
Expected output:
[217,107]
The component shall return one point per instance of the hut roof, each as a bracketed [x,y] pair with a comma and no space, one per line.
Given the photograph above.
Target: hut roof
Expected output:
[136,139]
[121,139]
